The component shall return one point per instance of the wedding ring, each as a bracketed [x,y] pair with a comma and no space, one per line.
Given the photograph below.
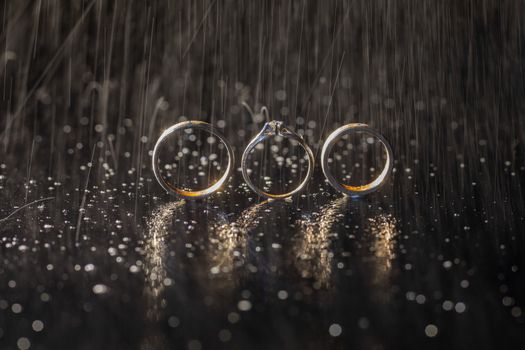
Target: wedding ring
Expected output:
[363,189]
[192,124]
[271,129]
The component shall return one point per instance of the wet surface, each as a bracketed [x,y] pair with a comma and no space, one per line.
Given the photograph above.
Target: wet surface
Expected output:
[94,254]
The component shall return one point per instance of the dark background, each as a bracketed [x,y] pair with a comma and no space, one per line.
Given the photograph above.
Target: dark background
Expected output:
[87,87]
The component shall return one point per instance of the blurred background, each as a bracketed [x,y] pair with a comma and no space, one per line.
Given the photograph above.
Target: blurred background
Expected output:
[94,254]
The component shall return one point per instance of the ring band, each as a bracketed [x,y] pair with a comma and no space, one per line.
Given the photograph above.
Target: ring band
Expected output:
[271,129]
[192,124]
[356,190]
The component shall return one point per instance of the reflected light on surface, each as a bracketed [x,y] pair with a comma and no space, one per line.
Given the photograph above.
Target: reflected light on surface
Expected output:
[229,241]
[313,256]
[383,231]
[154,340]
[155,251]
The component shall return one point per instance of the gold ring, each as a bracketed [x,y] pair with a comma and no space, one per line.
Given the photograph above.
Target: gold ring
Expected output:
[192,124]
[363,189]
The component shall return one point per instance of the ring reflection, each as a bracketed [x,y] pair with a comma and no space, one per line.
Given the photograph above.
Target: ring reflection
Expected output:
[383,232]
[159,237]
[312,249]
[229,248]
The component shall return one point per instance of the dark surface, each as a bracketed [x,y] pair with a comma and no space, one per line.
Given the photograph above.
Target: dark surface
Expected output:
[106,260]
